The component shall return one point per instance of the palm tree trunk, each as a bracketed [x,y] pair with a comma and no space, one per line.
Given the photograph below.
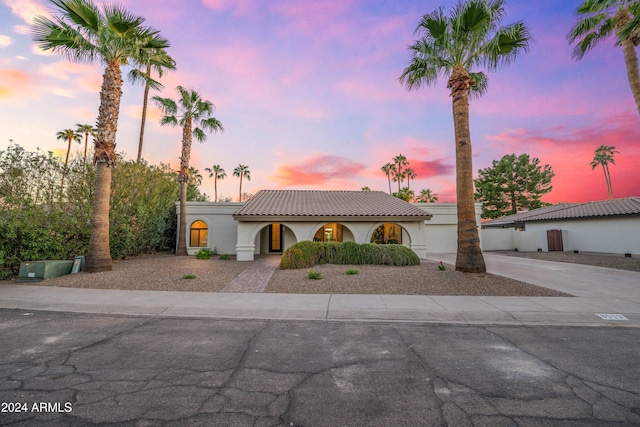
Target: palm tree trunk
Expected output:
[66,161]
[240,194]
[215,186]
[144,113]
[609,186]
[99,255]
[469,257]
[183,178]
[606,180]
[389,178]
[86,143]
[181,249]
[630,57]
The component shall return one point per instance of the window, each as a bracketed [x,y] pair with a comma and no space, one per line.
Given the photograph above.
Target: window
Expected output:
[387,233]
[329,233]
[199,233]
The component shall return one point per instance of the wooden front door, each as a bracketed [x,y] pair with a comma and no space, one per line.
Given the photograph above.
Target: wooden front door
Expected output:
[275,238]
[554,240]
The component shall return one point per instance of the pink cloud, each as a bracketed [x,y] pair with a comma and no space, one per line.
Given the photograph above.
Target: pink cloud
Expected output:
[569,151]
[318,170]
[13,83]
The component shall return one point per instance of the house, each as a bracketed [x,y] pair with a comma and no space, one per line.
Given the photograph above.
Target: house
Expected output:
[273,220]
[609,226]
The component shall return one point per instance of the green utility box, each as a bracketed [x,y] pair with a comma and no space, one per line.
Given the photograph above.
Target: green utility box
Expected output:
[37,271]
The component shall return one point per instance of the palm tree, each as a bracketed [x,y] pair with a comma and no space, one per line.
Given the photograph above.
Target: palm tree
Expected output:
[410,174]
[67,135]
[598,20]
[399,162]
[194,115]
[451,46]
[427,196]
[158,60]
[86,129]
[83,33]
[388,169]
[242,171]
[216,172]
[603,156]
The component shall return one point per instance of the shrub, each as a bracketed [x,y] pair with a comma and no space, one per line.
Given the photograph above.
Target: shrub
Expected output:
[306,254]
[189,276]
[314,275]
[352,271]
[224,257]
[204,253]
[441,266]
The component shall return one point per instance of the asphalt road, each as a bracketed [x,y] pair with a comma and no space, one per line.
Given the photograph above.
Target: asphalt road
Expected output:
[86,369]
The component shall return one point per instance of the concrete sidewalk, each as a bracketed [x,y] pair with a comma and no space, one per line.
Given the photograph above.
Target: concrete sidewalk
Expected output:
[602,297]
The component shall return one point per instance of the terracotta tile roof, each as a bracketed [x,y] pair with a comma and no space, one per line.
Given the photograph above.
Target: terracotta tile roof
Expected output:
[312,203]
[605,208]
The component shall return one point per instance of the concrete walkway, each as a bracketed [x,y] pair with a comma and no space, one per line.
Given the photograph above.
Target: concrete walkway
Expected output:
[602,297]
[255,278]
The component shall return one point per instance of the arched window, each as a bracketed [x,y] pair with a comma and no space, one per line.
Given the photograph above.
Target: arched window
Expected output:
[199,233]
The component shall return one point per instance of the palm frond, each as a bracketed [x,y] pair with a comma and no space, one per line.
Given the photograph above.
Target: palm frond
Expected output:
[167,105]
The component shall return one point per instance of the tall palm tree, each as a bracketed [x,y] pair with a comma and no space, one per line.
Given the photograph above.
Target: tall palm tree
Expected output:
[598,20]
[602,157]
[399,162]
[388,169]
[82,32]
[216,172]
[409,174]
[87,130]
[427,196]
[451,46]
[158,60]
[242,171]
[195,116]
[68,135]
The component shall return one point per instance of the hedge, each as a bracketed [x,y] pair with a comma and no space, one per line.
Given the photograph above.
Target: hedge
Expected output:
[306,254]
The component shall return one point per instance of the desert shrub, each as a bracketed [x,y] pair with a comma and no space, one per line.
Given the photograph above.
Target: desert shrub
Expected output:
[224,257]
[306,254]
[189,276]
[352,271]
[314,275]
[204,253]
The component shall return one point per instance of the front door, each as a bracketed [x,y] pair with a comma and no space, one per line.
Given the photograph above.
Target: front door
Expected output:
[554,240]
[275,238]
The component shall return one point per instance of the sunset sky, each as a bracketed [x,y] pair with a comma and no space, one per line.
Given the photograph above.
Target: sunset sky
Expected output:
[309,97]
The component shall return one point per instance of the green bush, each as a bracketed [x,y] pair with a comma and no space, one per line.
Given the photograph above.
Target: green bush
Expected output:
[352,271]
[204,253]
[224,257]
[40,219]
[314,275]
[306,254]
[189,276]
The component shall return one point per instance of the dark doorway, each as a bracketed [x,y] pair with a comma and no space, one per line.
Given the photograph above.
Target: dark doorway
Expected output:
[275,238]
[554,240]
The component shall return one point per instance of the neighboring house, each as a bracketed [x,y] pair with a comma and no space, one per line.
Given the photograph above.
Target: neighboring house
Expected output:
[273,220]
[609,226]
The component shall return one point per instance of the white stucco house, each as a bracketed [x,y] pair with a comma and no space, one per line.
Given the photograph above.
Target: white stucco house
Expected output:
[609,226]
[273,220]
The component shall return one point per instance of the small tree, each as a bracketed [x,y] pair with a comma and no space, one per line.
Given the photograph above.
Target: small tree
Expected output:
[427,196]
[512,184]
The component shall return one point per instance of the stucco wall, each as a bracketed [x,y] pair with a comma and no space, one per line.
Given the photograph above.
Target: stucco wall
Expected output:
[223,229]
[441,231]
[617,235]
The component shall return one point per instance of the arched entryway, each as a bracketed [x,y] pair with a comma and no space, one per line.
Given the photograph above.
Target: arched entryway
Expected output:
[274,238]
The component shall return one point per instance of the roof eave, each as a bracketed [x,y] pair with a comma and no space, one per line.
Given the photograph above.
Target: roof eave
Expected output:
[331,218]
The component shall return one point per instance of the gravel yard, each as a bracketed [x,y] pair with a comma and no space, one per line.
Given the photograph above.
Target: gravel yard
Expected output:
[159,272]
[165,272]
[423,279]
